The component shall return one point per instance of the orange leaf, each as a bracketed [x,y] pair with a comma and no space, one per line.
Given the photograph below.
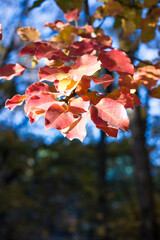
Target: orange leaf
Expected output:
[83,85]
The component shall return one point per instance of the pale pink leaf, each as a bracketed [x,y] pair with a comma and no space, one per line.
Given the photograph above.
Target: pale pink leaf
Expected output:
[52,73]
[57,117]
[79,105]
[101,124]
[78,128]
[112,112]
[41,101]
[85,65]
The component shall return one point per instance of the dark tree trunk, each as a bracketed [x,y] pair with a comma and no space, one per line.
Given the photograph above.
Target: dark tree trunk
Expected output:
[102,189]
[149,230]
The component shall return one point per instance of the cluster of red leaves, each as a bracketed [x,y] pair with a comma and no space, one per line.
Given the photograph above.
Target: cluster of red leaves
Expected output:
[73,57]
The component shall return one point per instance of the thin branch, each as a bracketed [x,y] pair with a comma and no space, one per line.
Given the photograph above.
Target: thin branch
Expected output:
[145,62]
[86,8]
[101,23]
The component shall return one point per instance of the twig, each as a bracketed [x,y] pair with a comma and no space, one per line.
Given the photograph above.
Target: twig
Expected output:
[86,7]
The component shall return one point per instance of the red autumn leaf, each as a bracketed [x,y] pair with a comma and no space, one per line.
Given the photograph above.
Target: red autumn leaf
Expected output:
[40,101]
[85,65]
[103,41]
[29,49]
[110,132]
[157,65]
[123,96]
[112,112]
[128,81]
[58,117]
[77,128]
[17,100]
[116,60]
[71,16]
[79,105]
[156,92]
[52,73]
[11,70]
[46,51]
[103,125]
[87,46]
[106,80]
[148,76]
[83,85]
[85,31]
[79,48]
[0,32]
[37,88]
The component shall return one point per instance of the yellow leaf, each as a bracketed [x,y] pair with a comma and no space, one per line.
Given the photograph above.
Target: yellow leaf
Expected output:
[129,27]
[66,35]
[66,84]
[29,34]
[34,62]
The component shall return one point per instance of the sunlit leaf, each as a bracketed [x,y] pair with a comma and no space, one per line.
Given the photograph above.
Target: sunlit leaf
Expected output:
[57,117]
[85,65]
[79,105]
[78,128]
[111,112]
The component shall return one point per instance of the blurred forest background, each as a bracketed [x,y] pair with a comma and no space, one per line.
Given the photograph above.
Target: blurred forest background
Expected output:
[103,189]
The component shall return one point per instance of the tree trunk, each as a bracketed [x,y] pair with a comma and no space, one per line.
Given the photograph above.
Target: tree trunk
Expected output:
[149,230]
[102,190]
